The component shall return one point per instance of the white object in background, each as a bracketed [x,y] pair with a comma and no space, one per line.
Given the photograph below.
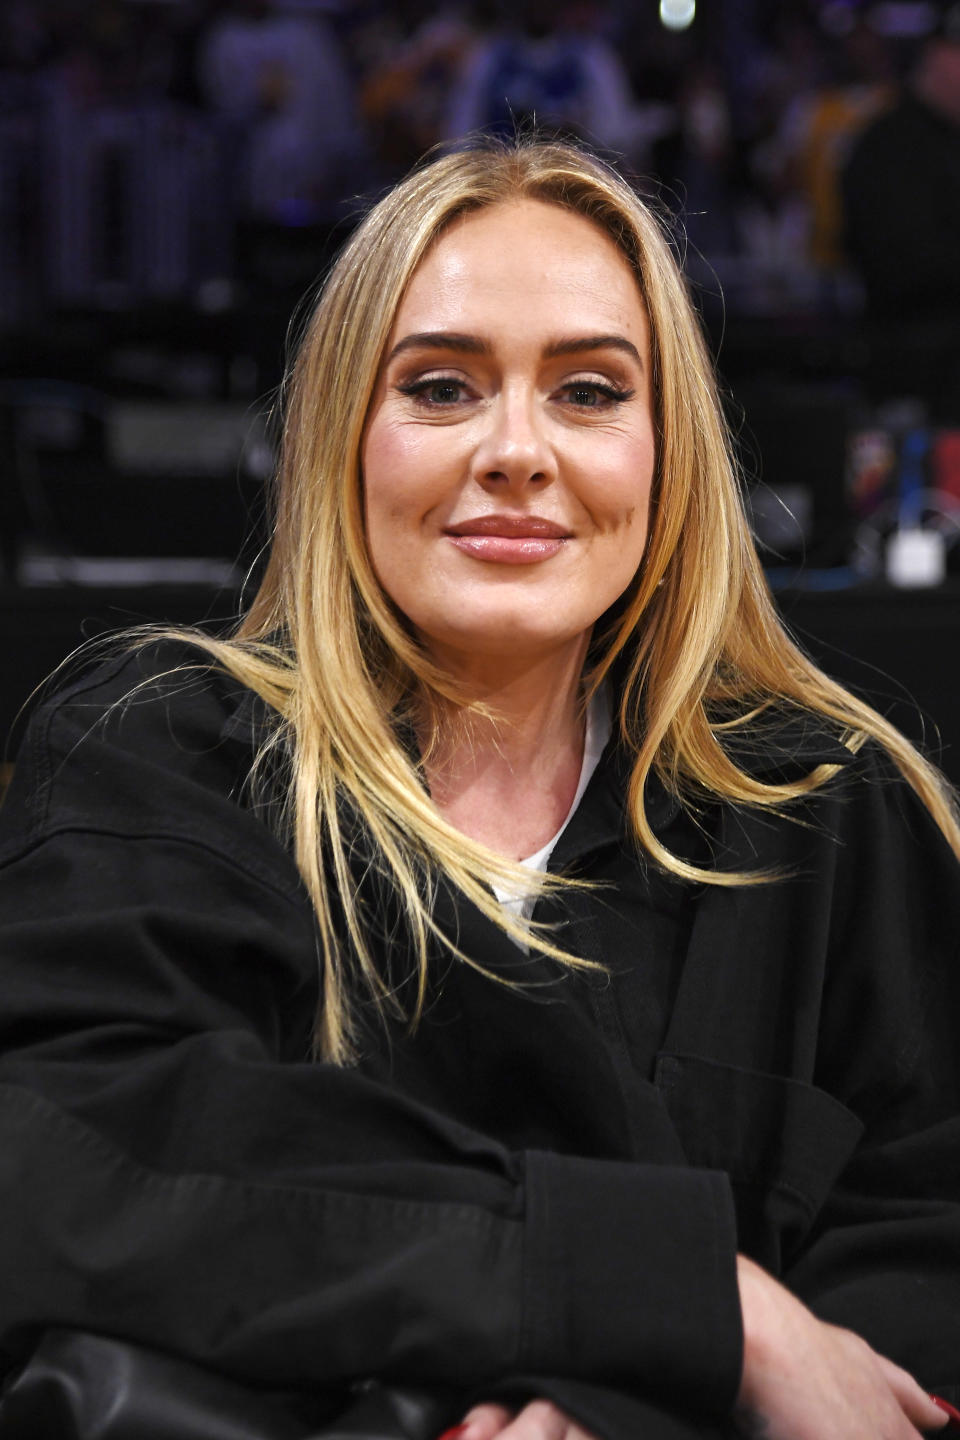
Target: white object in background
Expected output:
[677,14]
[916,558]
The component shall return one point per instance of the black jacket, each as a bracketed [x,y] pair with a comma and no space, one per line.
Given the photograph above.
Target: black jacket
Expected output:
[545,1186]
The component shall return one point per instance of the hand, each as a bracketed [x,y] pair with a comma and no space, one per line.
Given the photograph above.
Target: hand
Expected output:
[806,1380]
[540,1420]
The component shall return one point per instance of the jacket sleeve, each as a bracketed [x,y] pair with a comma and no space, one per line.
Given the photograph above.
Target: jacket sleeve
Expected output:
[884,1256]
[171,1173]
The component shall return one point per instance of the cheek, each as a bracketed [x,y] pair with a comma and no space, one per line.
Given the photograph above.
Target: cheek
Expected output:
[401,477]
[380,458]
[621,487]
[378,495]
[397,496]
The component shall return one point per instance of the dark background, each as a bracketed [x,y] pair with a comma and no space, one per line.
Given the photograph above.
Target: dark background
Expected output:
[175,176]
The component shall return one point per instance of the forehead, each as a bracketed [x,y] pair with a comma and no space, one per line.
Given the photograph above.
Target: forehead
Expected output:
[524,263]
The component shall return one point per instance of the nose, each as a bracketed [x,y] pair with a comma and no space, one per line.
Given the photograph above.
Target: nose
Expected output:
[514,450]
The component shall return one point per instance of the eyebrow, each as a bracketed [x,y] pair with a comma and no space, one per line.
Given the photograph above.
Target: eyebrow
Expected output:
[575,345]
[474,345]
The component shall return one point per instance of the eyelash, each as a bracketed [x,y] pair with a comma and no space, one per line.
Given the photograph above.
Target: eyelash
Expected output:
[418,390]
[613,394]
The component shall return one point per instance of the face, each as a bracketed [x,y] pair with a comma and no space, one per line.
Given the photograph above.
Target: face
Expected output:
[509,451]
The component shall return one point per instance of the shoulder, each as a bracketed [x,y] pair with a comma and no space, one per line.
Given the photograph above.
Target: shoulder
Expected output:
[781,743]
[159,701]
[859,811]
[154,741]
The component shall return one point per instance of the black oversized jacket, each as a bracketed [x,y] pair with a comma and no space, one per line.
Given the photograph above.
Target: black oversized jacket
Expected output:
[549,1179]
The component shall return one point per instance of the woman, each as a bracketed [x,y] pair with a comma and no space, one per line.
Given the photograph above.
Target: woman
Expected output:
[564,1121]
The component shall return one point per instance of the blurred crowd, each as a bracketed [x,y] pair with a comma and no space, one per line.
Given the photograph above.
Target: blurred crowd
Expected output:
[810,150]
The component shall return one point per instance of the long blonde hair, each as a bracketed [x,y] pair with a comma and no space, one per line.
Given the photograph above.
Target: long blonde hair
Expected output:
[321,643]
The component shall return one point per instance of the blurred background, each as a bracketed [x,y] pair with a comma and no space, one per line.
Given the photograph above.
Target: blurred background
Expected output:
[176,174]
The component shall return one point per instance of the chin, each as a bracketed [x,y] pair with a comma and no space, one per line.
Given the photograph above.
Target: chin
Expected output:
[508,639]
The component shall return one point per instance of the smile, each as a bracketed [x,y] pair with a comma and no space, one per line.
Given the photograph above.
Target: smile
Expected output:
[509,549]
[509,539]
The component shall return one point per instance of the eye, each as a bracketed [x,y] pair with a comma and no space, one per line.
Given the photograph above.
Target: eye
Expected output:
[594,394]
[437,392]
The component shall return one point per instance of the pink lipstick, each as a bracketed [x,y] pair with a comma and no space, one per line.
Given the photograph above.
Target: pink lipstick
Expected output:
[509,539]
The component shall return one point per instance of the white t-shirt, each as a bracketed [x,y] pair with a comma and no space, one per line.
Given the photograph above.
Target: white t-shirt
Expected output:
[599,726]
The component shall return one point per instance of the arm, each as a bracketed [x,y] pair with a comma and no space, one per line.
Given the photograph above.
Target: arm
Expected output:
[835,1107]
[880,1270]
[176,1174]
[803,1379]
[884,1256]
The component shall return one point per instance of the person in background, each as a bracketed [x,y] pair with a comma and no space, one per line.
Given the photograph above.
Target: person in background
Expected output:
[408,82]
[548,67]
[820,128]
[280,82]
[901,198]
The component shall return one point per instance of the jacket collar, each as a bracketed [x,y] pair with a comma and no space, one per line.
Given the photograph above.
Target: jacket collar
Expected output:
[783,745]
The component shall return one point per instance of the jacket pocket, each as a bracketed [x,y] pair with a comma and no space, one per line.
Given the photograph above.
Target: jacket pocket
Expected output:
[782,1142]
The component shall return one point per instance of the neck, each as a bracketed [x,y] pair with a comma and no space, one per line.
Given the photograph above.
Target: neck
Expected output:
[508,777]
[532,701]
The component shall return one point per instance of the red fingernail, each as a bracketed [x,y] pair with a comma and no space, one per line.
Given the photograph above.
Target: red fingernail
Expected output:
[450,1434]
[950,1410]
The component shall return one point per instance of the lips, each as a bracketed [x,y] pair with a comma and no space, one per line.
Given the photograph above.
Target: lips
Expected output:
[508,539]
[511,527]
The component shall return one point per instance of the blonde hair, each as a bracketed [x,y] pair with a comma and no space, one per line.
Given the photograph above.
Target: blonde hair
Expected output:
[696,634]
